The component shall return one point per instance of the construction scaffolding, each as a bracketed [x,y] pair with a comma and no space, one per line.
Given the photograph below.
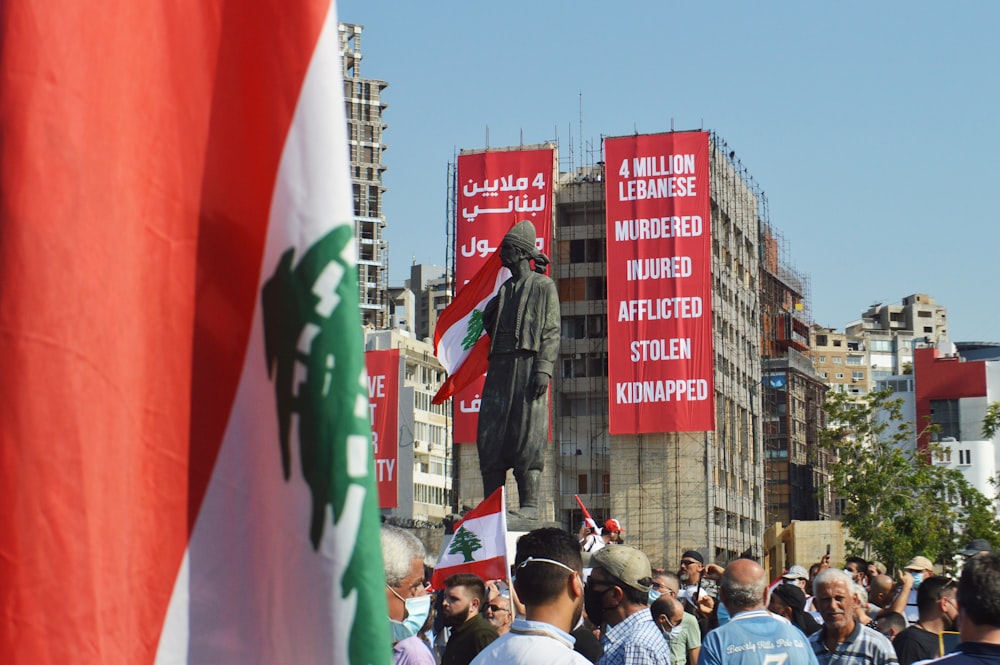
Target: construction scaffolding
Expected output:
[796,467]
[365,107]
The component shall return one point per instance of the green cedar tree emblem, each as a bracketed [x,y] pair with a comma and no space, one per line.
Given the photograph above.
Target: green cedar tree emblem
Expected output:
[315,357]
[465,543]
[474,331]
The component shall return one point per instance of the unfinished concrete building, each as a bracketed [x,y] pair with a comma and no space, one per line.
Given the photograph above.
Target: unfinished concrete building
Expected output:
[796,466]
[364,133]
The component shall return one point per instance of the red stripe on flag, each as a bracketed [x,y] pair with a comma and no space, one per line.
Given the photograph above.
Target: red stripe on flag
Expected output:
[487,569]
[137,142]
[474,367]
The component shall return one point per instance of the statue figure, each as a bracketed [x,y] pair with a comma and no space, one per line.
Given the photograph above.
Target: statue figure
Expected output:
[522,321]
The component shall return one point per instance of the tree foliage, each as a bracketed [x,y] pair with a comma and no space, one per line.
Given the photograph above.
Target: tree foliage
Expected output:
[898,504]
[991,422]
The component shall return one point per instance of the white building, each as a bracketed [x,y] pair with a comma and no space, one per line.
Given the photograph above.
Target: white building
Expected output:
[424,461]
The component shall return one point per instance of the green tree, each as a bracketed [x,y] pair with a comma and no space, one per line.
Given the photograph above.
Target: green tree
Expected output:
[991,423]
[465,543]
[898,504]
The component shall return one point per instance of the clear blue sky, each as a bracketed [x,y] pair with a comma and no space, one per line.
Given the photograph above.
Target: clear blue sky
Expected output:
[870,126]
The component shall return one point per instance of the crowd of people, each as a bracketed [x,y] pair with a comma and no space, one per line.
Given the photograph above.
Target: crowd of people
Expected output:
[589,598]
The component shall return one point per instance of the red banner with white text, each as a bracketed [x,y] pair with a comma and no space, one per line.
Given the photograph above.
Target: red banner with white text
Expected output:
[383,409]
[495,189]
[659,284]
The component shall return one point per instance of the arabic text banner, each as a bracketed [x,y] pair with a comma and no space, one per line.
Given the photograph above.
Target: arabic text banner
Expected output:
[496,189]
[659,284]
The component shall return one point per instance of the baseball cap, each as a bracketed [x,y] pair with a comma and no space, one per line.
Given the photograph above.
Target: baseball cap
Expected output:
[613,525]
[796,573]
[919,563]
[976,546]
[624,562]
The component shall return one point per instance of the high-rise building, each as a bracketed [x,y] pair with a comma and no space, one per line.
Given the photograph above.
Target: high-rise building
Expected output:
[431,287]
[364,134]
[796,466]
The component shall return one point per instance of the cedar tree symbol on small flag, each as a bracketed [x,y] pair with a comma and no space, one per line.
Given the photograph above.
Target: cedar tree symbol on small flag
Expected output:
[479,545]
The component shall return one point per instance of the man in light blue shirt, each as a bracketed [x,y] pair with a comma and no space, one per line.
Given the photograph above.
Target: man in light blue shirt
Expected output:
[548,580]
[753,636]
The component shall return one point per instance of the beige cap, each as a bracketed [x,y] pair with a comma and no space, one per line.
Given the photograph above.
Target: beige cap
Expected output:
[626,563]
[919,563]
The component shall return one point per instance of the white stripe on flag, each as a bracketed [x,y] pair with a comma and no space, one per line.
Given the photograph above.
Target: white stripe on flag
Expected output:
[251,589]
[490,529]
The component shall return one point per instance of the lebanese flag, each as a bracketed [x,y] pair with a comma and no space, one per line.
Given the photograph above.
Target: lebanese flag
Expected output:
[479,544]
[460,342]
[591,524]
[184,445]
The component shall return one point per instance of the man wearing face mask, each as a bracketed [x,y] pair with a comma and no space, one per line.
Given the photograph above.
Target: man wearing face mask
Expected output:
[669,615]
[685,636]
[617,598]
[547,579]
[938,612]
[409,605]
[920,569]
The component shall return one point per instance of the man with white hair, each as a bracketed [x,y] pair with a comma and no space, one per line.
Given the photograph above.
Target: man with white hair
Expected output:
[409,604]
[843,640]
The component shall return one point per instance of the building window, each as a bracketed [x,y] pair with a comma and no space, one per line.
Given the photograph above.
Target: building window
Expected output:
[944,414]
[857,376]
[820,340]
[822,359]
[823,374]
[840,375]
[837,360]
[855,360]
[581,484]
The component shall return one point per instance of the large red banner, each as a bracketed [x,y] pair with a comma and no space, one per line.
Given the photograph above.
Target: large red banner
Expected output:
[495,190]
[659,284]
[383,405]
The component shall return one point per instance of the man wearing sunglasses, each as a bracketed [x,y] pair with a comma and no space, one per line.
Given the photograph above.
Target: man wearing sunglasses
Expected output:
[498,614]
[695,583]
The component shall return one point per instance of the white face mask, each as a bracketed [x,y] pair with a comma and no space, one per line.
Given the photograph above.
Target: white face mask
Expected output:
[417,610]
[653,595]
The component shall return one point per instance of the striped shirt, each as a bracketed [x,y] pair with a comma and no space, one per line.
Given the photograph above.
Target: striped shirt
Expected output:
[863,646]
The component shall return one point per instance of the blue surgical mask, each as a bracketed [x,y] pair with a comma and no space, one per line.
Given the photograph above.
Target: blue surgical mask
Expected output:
[417,610]
[668,634]
[918,578]
[722,614]
[653,595]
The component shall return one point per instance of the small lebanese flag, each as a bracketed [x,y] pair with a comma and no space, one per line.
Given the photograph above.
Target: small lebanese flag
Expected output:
[459,341]
[479,545]
[591,524]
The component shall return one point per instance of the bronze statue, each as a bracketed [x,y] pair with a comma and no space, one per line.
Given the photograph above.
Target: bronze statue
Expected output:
[522,321]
